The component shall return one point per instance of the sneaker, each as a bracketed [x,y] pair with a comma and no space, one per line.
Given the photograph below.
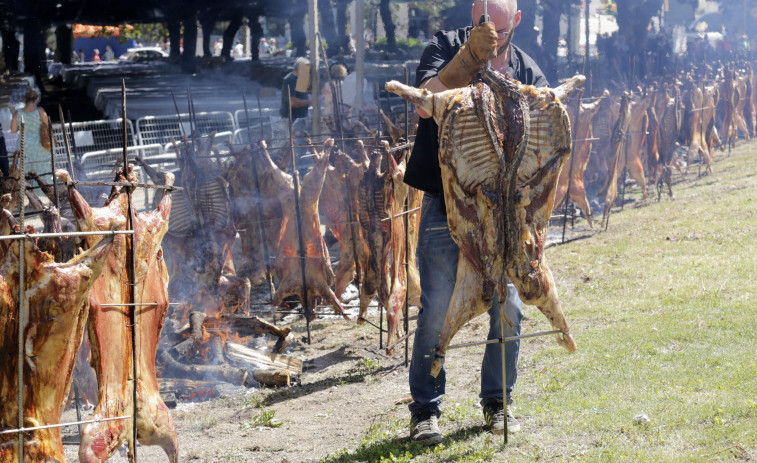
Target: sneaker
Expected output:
[494,415]
[424,429]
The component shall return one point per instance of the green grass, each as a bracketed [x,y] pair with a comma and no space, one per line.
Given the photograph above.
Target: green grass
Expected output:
[266,419]
[663,307]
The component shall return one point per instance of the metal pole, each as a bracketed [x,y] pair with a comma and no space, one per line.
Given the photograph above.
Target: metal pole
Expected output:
[625,173]
[65,142]
[314,76]
[52,163]
[22,306]
[78,411]
[296,178]
[407,232]
[178,113]
[504,368]
[586,26]
[131,266]
[570,171]
[359,29]
[257,198]
[381,325]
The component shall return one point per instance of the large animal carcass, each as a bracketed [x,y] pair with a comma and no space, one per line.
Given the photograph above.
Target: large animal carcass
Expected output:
[501,147]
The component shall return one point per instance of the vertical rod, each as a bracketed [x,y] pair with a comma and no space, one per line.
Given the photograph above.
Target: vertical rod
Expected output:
[178,113]
[296,178]
[625,173]
[360,52]
[314,75]
[407,231]
[504,369]
[381,325]
[588,47]
[378,116]
[407,112]
[570,170]
[52,163]
[131,268]
[22,307]
[334,96]
[65,142]
[257,198]
[71,129]
[407,276]
[78,411]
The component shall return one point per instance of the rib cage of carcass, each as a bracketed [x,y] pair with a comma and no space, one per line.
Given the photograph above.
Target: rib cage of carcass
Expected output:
[501,147]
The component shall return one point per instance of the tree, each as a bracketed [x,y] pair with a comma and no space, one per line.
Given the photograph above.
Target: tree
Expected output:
[386,17]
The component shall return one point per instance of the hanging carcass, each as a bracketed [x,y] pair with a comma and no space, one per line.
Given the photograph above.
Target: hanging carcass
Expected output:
[501,148]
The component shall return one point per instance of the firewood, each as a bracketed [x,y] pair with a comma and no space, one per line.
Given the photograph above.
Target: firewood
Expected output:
[225,373]
[273,378]
[241,355]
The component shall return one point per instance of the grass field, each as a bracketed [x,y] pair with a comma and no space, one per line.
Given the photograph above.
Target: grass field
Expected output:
[663,309]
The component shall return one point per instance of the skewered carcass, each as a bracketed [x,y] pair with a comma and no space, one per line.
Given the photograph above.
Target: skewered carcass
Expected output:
[382,200]
[110,327]
[289,262]
[57,294]
[339,206]
[619,141]
[582,115]
[501,147]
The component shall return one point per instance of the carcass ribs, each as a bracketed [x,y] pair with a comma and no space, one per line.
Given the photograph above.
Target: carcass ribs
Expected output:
[56,294]
[501,148]
[110,327]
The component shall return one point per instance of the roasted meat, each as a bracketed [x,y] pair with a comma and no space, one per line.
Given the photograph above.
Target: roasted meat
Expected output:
[319,278]
[501,148]
[56,295]
[110,328]
[581,116]
[619,140]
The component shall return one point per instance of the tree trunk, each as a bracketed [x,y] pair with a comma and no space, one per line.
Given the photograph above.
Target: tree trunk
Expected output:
[526,35]
[341,25]
[207,22]
[328,31]
[633,18]
[386,17]
[190,43]
[256,33]
[64,44]
[228,34]
[34,50]
[296,26]
[549,40]
[174,36]
[11,48]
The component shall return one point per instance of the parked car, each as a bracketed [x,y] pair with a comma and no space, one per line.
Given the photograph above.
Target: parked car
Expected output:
[143,54]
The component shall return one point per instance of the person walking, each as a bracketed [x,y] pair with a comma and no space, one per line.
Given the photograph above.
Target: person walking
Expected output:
[34,118]
[451,60]
[109,55]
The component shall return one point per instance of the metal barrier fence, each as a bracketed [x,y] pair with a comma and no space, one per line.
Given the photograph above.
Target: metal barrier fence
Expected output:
[160,129]
[98,165]
[267,115]
[92,136]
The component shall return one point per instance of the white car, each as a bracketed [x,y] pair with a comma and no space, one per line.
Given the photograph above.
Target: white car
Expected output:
[143,54]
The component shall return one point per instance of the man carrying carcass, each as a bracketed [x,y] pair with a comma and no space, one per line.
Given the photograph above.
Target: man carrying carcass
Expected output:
[451,60]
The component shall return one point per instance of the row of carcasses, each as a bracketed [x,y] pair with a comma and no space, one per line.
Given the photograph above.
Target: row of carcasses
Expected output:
[672,123]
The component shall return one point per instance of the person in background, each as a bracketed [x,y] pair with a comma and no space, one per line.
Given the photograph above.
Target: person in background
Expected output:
[109,55]
[451,60]
[299,101]
[96,56]
[272,48]
[34,118]
[218,47]
[238,51]
[81,58]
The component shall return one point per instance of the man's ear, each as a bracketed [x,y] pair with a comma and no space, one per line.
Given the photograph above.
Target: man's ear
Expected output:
[516,20]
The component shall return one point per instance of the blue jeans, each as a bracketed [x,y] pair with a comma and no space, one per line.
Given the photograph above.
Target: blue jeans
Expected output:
[437,263]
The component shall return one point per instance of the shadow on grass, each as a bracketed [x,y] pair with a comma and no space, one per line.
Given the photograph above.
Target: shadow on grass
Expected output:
[399,447]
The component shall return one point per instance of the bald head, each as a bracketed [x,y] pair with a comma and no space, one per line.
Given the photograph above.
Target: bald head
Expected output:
[505,16]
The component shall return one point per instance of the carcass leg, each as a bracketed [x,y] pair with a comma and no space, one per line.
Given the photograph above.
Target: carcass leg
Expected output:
[578,195]
[467,302]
